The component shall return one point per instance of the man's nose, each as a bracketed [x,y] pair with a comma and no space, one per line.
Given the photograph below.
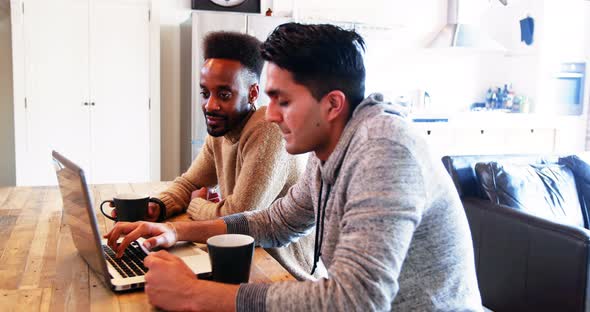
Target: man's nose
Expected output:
[211,105]
[272,113]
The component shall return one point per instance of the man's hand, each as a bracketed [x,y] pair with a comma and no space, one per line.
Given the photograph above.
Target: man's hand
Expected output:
[205,194]
[169,281]
[171,285]
[200,193]
[158,234]
[152,214]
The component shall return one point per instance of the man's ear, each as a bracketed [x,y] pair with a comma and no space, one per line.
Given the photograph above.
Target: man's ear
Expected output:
[253,93]
[337,105]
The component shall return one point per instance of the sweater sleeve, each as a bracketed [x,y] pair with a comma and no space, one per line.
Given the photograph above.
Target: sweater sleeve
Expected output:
[200,173]
[385,200]
[289,217]
[263,175]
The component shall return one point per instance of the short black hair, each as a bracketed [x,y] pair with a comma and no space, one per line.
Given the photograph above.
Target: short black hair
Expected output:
[234,46]
[321,57]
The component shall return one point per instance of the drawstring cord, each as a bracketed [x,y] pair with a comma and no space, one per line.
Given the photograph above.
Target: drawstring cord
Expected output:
[319,225]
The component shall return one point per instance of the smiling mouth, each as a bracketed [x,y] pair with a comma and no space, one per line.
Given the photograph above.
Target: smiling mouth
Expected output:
[214,120]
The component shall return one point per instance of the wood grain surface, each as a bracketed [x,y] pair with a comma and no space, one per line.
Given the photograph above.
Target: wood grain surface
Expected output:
[40,269]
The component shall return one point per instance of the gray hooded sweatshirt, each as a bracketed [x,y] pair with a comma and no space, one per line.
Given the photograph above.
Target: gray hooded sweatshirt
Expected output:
[395,235]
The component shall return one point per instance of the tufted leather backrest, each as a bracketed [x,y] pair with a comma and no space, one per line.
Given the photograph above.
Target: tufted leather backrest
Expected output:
[547,190]
[462,169]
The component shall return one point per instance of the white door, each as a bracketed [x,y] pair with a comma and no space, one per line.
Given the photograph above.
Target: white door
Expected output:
[119,91]
[56,87]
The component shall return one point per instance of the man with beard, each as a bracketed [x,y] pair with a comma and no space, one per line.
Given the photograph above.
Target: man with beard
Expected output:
[244,155]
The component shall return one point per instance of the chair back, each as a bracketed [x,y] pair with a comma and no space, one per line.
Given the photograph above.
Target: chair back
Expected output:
[462,169]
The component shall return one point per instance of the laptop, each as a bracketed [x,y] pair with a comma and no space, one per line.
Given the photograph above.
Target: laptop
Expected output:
[79,214]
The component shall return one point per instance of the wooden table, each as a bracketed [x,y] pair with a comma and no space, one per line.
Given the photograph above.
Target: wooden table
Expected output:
[40,269]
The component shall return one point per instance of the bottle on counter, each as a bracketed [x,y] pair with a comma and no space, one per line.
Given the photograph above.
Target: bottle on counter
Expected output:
[494,100]
[489,96]
[516,104]
[499,99]
[509,97]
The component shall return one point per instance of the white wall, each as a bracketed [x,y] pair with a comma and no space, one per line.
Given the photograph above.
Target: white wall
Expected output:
[587,26]
[172,14]
[7,163]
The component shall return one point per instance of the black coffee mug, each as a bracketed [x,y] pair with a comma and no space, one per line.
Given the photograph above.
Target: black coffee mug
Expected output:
[231,257]
[132,207]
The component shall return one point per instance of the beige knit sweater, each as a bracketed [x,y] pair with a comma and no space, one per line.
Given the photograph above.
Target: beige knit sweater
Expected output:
[252,169]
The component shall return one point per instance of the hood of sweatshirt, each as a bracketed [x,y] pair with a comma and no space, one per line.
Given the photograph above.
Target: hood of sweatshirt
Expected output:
[372,106]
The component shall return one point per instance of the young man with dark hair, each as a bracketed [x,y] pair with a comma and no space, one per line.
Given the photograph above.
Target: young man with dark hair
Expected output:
[390,227]
[229,89]
[243,154]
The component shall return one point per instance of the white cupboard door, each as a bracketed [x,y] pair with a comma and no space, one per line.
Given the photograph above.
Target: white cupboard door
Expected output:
[570,137]
[482,141]
[439,137]
[119,91]
[530,140]
[56,87]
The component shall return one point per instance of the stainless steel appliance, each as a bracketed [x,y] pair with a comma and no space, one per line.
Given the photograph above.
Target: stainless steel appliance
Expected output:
[569,88]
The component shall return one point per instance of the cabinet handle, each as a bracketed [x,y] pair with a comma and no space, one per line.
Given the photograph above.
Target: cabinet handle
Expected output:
[481,131]
[428,132]
[85,103]
[92,103]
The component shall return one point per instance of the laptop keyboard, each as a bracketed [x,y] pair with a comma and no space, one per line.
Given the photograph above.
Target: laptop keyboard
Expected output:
[131,263]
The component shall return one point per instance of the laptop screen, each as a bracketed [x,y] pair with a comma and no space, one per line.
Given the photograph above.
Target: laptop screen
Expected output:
[78,213]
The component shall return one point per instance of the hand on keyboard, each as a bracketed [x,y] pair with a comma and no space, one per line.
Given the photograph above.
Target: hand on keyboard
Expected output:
[157,234]
[131,264]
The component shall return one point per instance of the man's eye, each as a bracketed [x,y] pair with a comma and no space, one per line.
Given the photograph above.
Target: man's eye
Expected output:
[225,95]
[284,103]
[205,94]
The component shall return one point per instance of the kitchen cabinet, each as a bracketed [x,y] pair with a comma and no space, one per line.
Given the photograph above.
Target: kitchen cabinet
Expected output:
[530,140]
[479,141]
[570,136]
[461,136]
[82,80]
[439,137]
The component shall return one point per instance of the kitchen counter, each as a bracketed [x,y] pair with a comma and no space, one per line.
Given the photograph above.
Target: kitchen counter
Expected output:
[496,119]
[500,132]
